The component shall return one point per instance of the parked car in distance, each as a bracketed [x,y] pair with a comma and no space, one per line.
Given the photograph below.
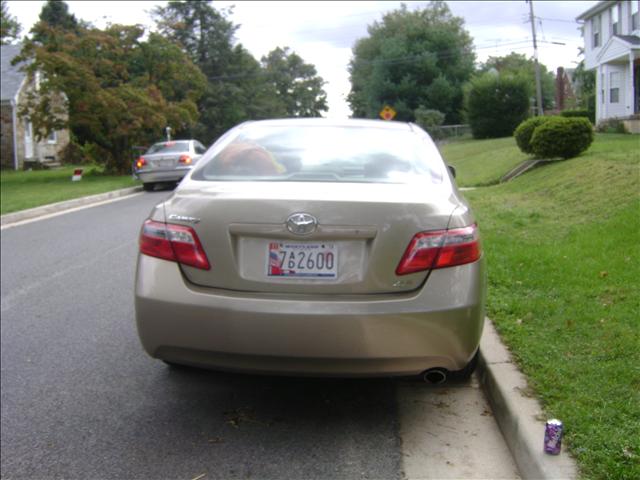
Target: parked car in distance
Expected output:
[167,161]
[314,247]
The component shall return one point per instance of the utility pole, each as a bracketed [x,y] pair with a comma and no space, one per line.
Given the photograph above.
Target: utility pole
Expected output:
[532,18]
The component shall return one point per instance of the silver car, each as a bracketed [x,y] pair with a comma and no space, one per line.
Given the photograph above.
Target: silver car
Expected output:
[314,247]
[167,161]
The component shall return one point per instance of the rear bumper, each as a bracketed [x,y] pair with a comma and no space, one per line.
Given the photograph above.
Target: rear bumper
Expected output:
[172,175]
[395,334]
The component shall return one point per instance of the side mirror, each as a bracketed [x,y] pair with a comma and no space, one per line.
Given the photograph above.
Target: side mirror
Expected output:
[452,169]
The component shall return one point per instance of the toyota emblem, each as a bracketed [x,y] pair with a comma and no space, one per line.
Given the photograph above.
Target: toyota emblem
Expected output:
[302,223]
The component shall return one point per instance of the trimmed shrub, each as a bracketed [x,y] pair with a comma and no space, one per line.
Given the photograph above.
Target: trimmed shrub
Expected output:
[562,137]
[525,130]
[426,117]
[496,104]
[575,113]
[430,120]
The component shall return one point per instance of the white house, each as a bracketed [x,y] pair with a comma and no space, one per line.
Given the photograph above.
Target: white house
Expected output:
[611,32]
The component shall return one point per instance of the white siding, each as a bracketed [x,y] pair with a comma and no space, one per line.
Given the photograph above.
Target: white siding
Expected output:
[616,50]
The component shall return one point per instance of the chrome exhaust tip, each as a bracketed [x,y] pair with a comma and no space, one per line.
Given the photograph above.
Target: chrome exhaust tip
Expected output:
[435,376]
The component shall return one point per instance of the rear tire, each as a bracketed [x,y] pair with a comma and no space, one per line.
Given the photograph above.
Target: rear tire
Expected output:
[149,187]
[176,366]
[468,370]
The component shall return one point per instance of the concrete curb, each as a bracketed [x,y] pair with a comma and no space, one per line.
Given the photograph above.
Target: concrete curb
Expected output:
[518,412]
[31,213]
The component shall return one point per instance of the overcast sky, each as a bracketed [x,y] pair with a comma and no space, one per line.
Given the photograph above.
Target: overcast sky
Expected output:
[323,33]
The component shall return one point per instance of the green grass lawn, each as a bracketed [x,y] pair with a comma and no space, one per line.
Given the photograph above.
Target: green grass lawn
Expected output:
[563,251]
[482,162]
[27,189]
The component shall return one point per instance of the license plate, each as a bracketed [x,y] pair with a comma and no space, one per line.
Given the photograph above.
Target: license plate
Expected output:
[302,260]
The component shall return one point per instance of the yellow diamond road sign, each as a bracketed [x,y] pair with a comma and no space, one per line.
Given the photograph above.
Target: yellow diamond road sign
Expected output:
[387,113]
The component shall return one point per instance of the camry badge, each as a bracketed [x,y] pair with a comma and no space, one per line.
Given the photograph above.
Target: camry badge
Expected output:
[184,218]
[302,223]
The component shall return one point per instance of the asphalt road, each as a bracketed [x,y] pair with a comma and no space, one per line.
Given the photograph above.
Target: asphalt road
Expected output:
[80,399]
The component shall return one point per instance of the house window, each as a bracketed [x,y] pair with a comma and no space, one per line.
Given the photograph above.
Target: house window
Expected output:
[634,15]
[614,87]
[602,88]
[595,29]
[615,20]
[53,137]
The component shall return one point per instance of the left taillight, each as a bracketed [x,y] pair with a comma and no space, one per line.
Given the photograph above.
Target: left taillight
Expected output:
[141,162]
[441,249]
[175,243]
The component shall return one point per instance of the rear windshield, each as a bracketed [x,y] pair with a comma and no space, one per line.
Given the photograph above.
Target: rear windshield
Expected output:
[322,154]
[168,147]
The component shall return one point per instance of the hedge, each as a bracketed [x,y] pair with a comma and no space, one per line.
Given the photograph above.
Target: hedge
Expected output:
[562,137]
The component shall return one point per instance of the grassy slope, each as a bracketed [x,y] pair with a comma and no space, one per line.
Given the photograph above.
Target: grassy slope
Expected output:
[563,249]
[482,162]
[21,190]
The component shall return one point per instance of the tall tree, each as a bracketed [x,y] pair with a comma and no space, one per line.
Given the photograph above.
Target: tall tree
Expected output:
[239,88]
[517,64]
[120,90]
[298,85]
[207,37]
[412,59]
[9,26]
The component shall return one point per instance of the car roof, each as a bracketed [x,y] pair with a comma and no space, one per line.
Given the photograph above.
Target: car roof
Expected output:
[331,122]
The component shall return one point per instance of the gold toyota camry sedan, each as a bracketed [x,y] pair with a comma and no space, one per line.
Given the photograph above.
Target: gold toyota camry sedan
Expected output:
[314,247]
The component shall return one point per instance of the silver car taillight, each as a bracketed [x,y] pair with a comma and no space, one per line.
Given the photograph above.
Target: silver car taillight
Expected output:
[441,249]
[175,243]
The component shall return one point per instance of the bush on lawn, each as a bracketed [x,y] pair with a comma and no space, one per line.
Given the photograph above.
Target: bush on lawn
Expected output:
[430,120]
[524,132]
[496,104]
[562,137]
[575,113]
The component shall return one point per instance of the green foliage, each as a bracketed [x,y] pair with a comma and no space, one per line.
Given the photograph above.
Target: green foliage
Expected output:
[430,120]
[524,132]
[562,137]
[412,59]
[516,64]
[426,117]
[239,88]
[120,90]
[297,83]
[496,104]
[612,125]
[9,26]
[575,113]
[56,14]
[584,83]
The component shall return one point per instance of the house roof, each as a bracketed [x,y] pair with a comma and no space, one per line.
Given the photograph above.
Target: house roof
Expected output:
[630,43]
[597,8]
[12,77]
[632,39]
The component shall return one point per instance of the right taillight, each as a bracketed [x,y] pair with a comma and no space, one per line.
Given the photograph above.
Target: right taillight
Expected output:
[440,249]
[175,243]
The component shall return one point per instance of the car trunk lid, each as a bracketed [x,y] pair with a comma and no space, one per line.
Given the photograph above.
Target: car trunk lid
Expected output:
[361,234]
